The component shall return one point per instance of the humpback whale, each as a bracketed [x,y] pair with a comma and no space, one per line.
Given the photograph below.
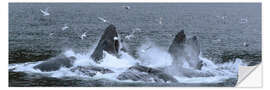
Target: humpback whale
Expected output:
[56,63]
[108,42]
[185,51]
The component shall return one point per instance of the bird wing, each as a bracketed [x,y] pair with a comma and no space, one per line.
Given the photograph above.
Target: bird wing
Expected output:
[42,11]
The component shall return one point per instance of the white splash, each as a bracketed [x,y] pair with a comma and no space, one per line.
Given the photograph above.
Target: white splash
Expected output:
[153,56]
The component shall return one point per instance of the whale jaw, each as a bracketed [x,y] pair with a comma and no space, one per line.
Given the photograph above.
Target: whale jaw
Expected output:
[109,42]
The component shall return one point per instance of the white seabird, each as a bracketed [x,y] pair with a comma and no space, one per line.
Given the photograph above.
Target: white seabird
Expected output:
[51,34]
[83,35]
[244,20]
[65,27]
[45,12]
[102,19]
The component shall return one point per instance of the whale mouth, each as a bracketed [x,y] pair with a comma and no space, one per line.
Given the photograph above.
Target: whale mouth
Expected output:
[116,45]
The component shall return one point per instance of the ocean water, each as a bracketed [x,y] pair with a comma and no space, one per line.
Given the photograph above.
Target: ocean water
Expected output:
[222,30]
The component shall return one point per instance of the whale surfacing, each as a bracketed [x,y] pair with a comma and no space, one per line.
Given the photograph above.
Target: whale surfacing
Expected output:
[108,42]
[56,63]
[185,51]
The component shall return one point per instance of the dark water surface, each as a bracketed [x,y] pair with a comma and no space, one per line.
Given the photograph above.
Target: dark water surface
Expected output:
[221,28]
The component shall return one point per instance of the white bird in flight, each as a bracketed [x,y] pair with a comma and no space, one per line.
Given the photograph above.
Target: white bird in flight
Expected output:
[83,35]
[102,19]
[51,34]
[244,20]
[45,12]
[65,27]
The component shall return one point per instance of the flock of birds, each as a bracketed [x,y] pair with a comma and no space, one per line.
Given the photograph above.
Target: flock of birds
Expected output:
[45,12]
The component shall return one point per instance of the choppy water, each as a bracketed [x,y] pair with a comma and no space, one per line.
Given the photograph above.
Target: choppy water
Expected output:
[222,29]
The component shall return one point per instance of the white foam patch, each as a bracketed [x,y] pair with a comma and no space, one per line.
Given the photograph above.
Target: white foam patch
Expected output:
[221,72]
[152,56]
[111,61]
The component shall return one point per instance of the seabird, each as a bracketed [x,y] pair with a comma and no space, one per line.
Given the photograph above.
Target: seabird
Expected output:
[65,27]
[45,12]
[83,35]
[103,20]
[244,20]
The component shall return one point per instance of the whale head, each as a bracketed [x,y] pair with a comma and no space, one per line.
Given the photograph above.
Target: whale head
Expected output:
[109,42]
[185,51]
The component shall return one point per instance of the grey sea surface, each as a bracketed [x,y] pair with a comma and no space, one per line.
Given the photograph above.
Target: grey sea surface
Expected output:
[226,31]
